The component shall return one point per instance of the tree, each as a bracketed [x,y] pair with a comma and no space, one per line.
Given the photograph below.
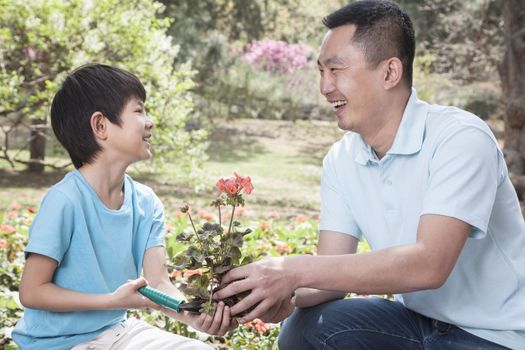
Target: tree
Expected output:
[464,37]
[512,71]
[41,41]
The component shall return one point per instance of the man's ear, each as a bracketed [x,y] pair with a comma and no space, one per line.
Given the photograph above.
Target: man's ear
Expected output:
[99,125]
[393,72]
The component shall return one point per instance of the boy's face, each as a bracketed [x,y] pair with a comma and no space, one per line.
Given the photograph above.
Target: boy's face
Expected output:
[130,140]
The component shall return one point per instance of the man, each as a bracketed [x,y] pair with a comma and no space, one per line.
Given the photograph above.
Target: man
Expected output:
[426,185]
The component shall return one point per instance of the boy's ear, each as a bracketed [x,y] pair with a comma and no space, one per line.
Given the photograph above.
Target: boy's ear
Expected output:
[99,125]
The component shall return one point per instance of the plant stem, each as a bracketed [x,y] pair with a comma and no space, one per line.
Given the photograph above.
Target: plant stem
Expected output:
[231,219]
[211,293]
[220,218]
[193,225]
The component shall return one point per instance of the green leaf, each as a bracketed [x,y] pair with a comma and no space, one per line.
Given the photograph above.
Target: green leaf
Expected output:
[247,231]
[225,266]
[235,253]
[184,237]
[237,240]
[246,260]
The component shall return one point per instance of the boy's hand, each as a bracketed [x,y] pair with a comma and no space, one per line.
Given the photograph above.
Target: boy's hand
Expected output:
[217,324]
[127,297]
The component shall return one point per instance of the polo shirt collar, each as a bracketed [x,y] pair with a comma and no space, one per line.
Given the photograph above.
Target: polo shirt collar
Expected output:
[409,136]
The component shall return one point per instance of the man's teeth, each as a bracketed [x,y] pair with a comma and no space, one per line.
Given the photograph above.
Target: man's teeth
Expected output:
[339,103]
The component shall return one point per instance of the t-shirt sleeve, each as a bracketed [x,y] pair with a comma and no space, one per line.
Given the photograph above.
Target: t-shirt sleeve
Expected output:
[156,235]
[464,174]
[336,214]
[51,231]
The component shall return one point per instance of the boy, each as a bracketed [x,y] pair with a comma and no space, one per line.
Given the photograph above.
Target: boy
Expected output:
[97,229]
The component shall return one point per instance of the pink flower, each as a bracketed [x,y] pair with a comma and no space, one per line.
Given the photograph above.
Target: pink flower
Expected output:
[265,225]
[204,215]
[233,185]
[6,228]
[32,210]
[3,243]
[176,274]
[257,325]
[189,273]
[244,182]
[240,211]
[178,214]
[283,248]
[228,186]
[274,215]
[300,218]
[15,206]
[277,56]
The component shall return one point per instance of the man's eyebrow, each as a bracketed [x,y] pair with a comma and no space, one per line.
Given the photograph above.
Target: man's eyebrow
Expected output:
[331,60]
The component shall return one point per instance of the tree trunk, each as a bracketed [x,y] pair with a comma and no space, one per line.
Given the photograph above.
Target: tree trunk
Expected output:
[512,73]
[37,145]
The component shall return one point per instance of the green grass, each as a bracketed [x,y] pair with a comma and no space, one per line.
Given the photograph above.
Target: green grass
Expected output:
[284,159]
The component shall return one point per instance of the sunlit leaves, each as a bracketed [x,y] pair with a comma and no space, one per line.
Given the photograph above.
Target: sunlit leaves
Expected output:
[41,41]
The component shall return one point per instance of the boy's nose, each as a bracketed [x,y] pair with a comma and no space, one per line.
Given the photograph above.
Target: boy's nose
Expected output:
[149,121]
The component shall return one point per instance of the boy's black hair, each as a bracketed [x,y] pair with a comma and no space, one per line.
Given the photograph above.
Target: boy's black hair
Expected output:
[89,89]
[383,30]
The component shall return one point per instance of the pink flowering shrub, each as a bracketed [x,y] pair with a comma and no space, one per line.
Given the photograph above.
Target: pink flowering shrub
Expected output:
[277,56]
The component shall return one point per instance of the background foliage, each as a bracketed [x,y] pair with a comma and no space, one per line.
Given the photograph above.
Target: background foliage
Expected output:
[44,40]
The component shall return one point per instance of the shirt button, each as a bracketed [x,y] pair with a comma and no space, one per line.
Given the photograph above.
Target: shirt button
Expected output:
[388,182]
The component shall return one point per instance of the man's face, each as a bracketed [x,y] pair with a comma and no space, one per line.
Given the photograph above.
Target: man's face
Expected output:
[347,82]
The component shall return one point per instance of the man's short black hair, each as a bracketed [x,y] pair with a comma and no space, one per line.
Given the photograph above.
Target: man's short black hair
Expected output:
[89,89]
[383,30]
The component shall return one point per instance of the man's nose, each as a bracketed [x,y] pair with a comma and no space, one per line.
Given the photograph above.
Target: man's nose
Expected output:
[326,84]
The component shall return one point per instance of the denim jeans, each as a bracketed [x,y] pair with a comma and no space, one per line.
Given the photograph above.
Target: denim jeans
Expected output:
[372,323]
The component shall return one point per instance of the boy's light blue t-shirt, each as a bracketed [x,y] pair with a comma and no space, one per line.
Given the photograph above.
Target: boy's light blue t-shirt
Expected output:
[97,250]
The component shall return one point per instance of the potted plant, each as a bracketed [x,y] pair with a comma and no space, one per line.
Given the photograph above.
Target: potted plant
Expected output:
[214,248]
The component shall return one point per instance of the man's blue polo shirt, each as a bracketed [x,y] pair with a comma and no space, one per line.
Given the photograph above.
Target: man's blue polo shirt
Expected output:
[443,161]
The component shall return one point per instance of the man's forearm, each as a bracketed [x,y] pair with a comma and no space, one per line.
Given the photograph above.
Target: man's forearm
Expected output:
[307,297]
[394,270]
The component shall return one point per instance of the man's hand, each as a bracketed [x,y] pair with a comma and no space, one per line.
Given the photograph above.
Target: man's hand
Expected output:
[270,282]
[279,312]
[127,297]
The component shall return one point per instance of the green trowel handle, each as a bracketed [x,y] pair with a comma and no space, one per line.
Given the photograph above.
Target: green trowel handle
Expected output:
[160,298]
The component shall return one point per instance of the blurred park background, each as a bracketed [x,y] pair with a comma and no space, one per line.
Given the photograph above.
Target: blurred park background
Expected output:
[232,86]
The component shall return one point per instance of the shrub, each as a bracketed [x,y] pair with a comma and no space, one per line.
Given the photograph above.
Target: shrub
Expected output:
[277,56]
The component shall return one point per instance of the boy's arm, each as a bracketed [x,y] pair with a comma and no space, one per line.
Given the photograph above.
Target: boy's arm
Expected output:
[157,275]
[37,291]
